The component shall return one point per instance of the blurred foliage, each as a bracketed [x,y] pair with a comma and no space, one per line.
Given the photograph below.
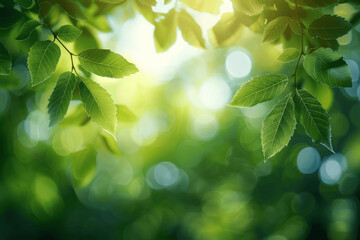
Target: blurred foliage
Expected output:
[181,164]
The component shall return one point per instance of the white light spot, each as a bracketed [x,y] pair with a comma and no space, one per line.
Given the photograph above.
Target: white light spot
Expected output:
[238,64]
[214,93]
[308,160]
[205,127]
[166,174]
[332,168]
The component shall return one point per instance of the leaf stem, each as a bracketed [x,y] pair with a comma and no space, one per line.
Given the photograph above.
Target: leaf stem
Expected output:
[302,44]
[46,23]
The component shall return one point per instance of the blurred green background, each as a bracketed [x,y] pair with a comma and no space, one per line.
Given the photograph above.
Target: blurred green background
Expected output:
[183,165]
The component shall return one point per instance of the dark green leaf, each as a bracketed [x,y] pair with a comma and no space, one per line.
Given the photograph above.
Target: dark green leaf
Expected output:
[328,67]
[60,98]
[8,17]
[329,27]
[25,3]
[5,61]
[313,117]
[27,29]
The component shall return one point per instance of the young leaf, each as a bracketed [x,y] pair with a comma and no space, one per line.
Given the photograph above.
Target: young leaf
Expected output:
[72,8]
[212,6]
[27,29]
[275,28]
[60,98]
[313,117]
[24,3]
[123,114]
[248,7]
[98,104]
[295,26]
[106,63]
[69,33]
[289,55]
[165,31]
[190,30]
[278,127]
[151,3]
[42,61]
[259,89]
[5,61]
[329,27]
[227,31]
[328,67]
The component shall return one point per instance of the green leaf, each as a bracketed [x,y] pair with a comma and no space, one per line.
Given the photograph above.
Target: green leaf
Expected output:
[83,167]
[329,27]
[248,7]
[72,8]
[315,3]
[313,117]
[148,2]
[123,114]
[60,98]
[328,67]
[275,28]
[289,55]
[42,61]
[209,6]
[5,61]
[278,127]
[259,89]
[24,3]
[69,33]
[106,63]
[98,104]
[165,31]
[190,30]
[227,31]
[111,1]
[295,26]
[8,17]
[27,29]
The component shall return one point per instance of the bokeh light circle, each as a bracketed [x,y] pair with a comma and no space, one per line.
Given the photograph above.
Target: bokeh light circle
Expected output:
[308,160]
[238,64]
[214,93]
